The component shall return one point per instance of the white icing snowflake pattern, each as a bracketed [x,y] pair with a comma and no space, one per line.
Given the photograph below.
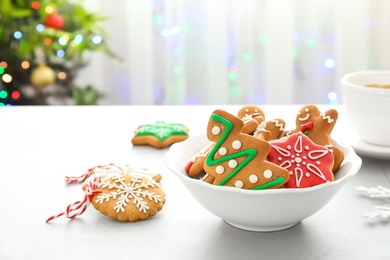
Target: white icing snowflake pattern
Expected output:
[303,159]
[134,192]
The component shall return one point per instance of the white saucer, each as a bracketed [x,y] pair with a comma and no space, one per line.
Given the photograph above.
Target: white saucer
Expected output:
[370,150]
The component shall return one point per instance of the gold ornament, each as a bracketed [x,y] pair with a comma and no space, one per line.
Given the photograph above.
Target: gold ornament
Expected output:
[42,76]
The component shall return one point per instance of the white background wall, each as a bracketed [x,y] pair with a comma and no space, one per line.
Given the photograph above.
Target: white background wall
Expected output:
[236,51]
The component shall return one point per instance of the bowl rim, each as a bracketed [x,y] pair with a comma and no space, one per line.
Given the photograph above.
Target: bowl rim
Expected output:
[350,157]
[346,84]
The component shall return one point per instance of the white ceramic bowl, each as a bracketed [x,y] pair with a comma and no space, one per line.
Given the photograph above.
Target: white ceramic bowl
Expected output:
[368,108]
[257,210]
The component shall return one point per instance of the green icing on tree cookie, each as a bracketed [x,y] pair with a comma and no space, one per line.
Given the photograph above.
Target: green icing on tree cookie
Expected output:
[249,153]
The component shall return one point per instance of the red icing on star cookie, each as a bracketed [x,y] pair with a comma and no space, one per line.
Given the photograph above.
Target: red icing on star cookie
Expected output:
[309,164]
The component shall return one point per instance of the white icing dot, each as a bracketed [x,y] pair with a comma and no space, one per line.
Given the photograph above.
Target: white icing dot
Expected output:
[291,173]
[216,130]
[318,162]
[298,160]
[222,151]
[307,174]
[232,163]
[267,174]
[304,157]
[239,184]
[289,147]
[279,158]
[304,163]
[253,178]
[236,144]
[292,156]
[307,147]
[219,169]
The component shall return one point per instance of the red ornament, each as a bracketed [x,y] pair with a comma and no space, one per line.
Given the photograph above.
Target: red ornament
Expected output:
[55,21]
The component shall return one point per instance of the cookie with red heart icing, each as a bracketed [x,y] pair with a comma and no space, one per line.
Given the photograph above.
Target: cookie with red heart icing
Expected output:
[238,159]
[318,126]
[309,164]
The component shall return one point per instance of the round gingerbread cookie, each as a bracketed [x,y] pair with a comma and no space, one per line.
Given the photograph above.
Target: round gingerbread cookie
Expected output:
[128,198]
[120,192]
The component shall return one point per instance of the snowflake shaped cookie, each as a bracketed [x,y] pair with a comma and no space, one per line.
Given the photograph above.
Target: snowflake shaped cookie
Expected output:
[124,193]
[380,192]
[160,134]
[309,164]
[128,198]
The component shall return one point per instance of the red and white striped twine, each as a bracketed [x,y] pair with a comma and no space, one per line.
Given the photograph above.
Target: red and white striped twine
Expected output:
[75,179]
[76,209]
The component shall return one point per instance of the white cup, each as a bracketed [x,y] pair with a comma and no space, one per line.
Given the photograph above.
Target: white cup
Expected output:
[368,108]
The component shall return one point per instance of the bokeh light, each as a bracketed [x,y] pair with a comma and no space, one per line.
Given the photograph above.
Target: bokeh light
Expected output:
[329,63]
[97,39]
[60,53]
[40,27]
[6,78]
[15,94]
[35,5]
[18,35]
[25,64]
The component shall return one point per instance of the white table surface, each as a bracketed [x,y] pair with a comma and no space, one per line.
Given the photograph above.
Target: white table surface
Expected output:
[41,145]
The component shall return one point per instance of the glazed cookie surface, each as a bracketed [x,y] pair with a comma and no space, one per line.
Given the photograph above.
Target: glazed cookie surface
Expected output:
[237,159]
[160,134]
[309,164]
[128,198]
[124,193]
[318,126]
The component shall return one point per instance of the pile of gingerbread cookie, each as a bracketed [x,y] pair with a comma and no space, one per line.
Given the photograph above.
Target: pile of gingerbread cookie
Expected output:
[249,152]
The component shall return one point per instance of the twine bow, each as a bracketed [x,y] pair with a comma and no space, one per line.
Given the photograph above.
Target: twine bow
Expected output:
[76,209]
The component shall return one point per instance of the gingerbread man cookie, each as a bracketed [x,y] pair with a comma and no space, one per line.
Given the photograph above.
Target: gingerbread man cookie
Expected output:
[274,127]
[195,166]
[255,124]
[252,116]
[238,159]
[318,126]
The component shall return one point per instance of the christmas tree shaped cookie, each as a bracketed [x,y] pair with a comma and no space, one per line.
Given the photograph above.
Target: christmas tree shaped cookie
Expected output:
[237,159]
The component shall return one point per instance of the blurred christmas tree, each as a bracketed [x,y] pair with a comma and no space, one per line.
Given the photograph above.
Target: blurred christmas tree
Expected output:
[42,47]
